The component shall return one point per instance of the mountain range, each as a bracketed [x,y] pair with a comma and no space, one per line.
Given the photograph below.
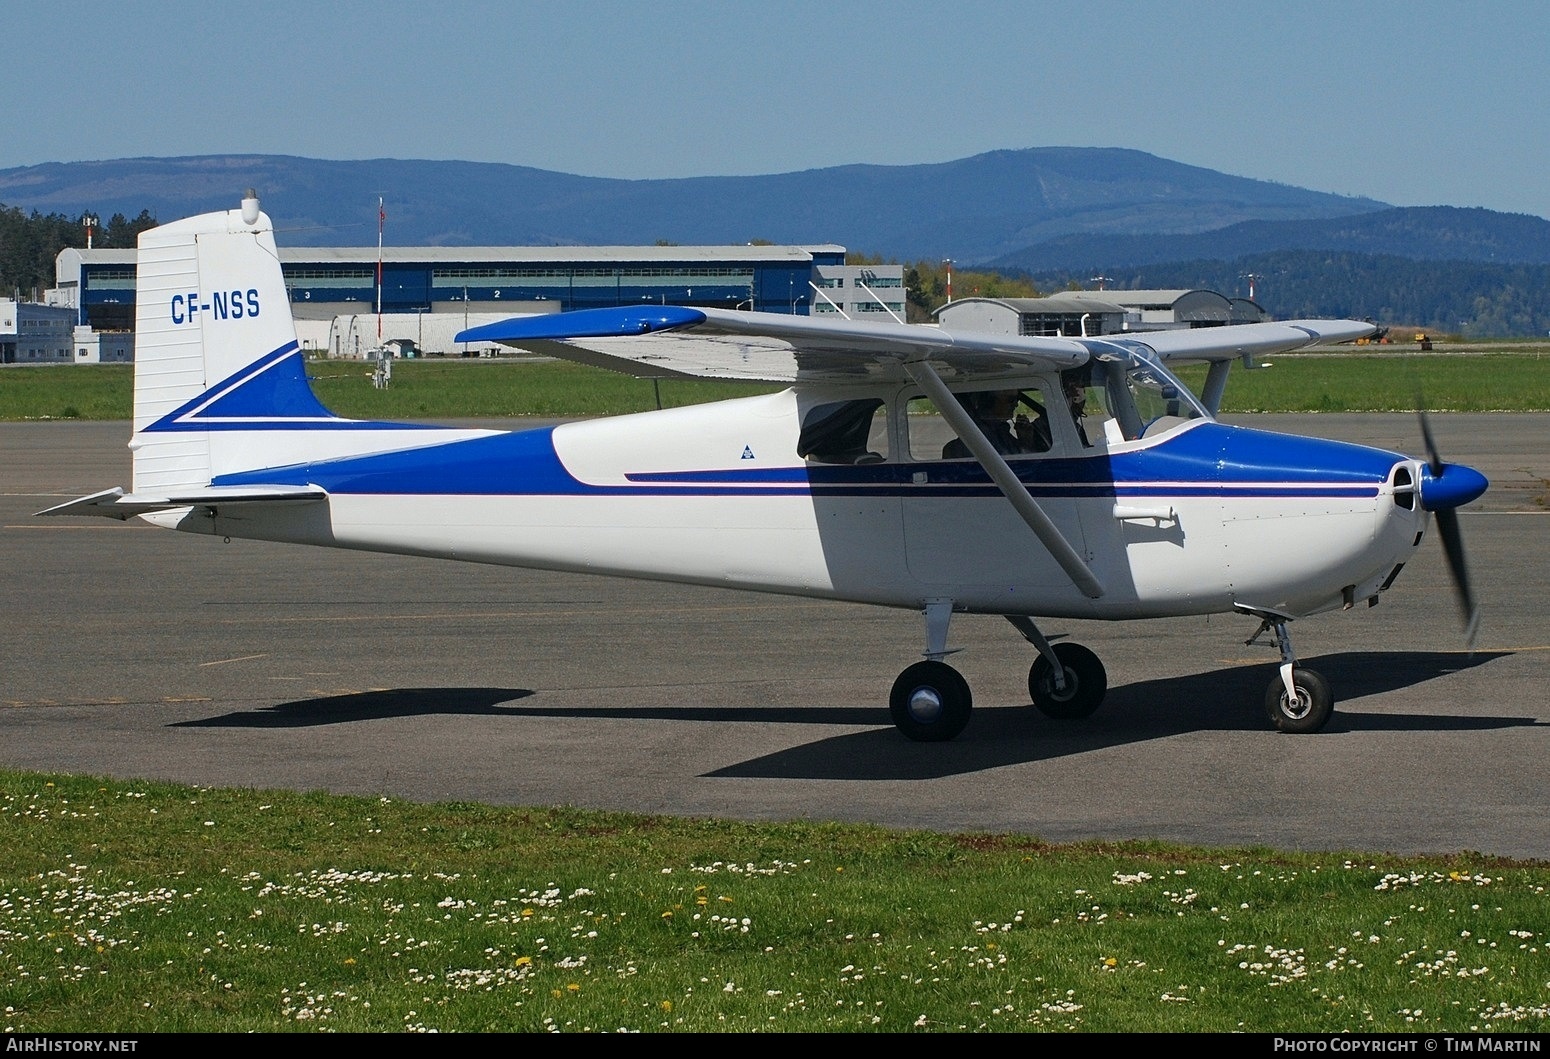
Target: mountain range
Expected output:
[975,209]
[1059,213]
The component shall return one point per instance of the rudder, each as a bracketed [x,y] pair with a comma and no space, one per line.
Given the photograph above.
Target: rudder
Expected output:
[210,303]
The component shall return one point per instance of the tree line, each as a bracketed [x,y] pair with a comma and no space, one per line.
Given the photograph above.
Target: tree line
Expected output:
[29,243]
[926,285]
[1471,299]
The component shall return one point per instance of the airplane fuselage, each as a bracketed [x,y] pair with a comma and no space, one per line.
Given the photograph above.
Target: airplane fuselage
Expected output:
[1204,518]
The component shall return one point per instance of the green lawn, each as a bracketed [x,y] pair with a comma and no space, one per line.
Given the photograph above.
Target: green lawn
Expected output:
[1516,381]
[138,907]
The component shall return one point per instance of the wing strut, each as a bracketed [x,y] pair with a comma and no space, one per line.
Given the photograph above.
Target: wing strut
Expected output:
[1005,478]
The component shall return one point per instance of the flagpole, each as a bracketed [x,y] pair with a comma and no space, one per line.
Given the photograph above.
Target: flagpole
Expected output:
[381,220]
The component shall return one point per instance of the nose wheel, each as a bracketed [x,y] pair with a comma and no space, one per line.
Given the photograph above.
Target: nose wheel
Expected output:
[1305,707]
[1298,701]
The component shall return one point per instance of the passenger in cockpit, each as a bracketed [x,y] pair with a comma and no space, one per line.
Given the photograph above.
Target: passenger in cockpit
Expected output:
[993,411]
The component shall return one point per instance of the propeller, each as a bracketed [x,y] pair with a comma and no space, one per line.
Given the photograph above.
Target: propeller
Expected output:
[1451,486]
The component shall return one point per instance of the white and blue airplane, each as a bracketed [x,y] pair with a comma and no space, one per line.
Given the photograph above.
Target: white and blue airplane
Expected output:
[1103,488]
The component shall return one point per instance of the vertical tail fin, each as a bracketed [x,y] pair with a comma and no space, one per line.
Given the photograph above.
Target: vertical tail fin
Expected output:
[215,346]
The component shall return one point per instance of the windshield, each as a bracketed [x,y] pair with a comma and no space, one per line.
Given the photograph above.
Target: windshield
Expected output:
[1132,395]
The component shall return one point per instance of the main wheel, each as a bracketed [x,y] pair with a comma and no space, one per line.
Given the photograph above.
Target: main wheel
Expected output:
[1309,711]
[1086,683]
[930,702]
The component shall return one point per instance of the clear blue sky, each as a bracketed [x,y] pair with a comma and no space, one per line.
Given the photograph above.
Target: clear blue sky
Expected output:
[1430,102]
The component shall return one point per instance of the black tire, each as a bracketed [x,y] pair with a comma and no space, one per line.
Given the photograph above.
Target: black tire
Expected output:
[930,702]
[1086,683]
[1312,708]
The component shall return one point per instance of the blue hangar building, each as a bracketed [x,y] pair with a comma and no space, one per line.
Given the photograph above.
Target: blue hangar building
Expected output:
[429,293]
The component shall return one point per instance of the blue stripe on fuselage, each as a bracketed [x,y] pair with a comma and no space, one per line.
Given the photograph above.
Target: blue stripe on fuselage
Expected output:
[1209,460]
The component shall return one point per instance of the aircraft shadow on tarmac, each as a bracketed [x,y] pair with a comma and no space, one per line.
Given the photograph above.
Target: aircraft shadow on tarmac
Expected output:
[1226,699]
[367,706]
[1220,700]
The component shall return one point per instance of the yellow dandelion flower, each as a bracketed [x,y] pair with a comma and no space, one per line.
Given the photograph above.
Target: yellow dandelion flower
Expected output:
[523,961]
[556,993]
[527,911]
[667,915]
[702,901]
[574,987]
[667,1005]
[701,889]
[728,900]
[349,960]
[1110,961]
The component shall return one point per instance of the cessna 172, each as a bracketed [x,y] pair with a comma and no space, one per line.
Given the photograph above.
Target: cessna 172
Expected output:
[1105,489]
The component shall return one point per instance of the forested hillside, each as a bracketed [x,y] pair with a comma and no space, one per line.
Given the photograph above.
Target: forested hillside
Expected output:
[1476,300]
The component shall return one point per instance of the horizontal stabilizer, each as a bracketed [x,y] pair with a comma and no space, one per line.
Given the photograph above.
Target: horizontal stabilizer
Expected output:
[115,503]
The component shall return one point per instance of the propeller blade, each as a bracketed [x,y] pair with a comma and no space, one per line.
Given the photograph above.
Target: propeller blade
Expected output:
[1432,455]
[1452,538]
[1453,548]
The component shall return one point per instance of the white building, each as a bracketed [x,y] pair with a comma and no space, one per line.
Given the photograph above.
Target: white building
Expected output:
[1109,312]
[858,291]
[35,334]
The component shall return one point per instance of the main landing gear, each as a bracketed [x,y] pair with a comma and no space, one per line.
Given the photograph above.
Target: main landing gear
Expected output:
[931,702]
[1298,700]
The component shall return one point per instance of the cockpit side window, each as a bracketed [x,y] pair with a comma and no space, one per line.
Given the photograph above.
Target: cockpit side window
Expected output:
[1015,421]
[845,432]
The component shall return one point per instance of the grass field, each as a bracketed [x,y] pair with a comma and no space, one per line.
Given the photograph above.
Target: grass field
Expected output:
[143,907]
[1351,382]
[1516,381]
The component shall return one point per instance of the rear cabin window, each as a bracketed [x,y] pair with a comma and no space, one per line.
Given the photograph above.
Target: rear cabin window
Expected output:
[845,432]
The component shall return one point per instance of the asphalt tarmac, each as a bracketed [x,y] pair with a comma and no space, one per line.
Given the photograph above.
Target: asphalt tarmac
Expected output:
[137,653]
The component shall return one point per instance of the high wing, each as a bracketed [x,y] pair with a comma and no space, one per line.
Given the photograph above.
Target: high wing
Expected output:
[668,341]
[674,341]
[1239,340]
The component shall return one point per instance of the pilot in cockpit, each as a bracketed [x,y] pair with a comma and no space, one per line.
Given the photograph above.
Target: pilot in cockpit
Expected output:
[1074,384]
[993,411]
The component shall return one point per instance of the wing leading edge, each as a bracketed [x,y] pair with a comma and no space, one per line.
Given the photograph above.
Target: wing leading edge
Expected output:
[677,341]
[713,343]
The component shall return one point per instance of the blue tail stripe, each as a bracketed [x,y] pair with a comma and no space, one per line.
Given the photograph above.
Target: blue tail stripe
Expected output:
[270,393]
